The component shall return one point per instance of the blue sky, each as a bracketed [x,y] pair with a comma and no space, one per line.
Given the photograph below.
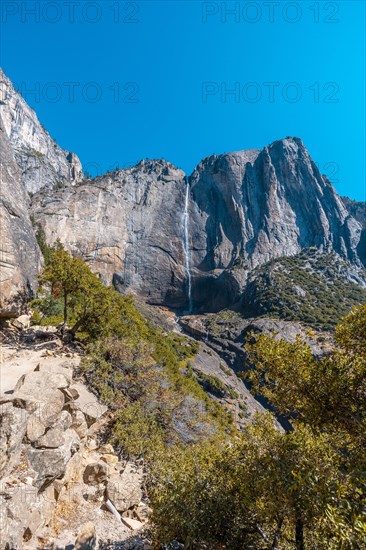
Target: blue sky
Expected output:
[120,81]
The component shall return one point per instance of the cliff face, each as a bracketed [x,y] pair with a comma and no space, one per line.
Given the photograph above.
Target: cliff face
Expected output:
[19,253]
[357,210]
[243,209]
[127,225]
[188,243]
[271,204]
[42,162]
[256,206]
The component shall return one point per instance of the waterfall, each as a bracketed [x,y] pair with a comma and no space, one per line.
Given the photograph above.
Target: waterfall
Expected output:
[98,225]
[187,253]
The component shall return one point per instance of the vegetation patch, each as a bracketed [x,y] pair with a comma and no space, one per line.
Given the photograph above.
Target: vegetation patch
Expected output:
[315,289]
[215,386]
[265,489]
[131,364]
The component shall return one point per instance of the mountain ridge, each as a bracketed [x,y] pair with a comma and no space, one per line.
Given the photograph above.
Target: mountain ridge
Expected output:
[242,210]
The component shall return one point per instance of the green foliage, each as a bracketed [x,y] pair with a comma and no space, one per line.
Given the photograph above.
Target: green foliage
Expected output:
[226,370]
[157,405]
[254,493]
[48,310]
[137,432]
[267,489]
[350,333]
[310,287]
[89,306]
[45,248]
[225,318]
[131,364]
[329,393]
[59,185]
[33,153]
[214,385]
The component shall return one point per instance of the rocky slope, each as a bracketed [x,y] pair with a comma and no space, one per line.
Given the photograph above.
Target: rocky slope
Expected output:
[19,254]
[243,209]
[42,162]
[357,209]
[56,473]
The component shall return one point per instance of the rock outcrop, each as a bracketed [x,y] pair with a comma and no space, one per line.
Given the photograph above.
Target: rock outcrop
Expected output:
[243,210]
[357,209]
[20,257]
[42,162]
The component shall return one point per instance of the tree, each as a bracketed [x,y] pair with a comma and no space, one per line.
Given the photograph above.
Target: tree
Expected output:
[88,305]
[329,393]
[268,489]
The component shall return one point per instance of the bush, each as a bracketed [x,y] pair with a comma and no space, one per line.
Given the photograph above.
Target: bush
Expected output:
[90,308]
[142,375]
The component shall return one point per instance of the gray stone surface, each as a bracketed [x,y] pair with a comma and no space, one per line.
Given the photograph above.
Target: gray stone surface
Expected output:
[50,464]
[124,491]
[13,424]
[19,252]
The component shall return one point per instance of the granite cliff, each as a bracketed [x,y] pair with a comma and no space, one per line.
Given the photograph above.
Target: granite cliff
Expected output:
[43,163]
[243,209]
[20,258]
[189,243]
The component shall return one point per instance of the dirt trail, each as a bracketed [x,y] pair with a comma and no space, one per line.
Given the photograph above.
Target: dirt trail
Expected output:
[15,361]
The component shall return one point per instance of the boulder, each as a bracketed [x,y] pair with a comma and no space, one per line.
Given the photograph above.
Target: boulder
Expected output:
[65,421]
[13,425]
[35,428]
[36,383]
[22,322]
[95,473]
[50,464]
[133,524]
[52,439]
[25,512]
[124,491]
[40,393]
[88,404]
[87,538]
[106,449]
[4,523]
[79,423]
[110,459]
[56,368]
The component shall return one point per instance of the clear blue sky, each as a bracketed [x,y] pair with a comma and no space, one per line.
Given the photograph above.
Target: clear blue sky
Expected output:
[170,50]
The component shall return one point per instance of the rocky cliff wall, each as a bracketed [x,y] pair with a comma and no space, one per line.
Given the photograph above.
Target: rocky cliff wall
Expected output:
[244,209]
[19,253]
[43,163]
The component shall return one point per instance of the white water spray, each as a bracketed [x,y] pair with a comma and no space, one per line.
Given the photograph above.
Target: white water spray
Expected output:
[187,253]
